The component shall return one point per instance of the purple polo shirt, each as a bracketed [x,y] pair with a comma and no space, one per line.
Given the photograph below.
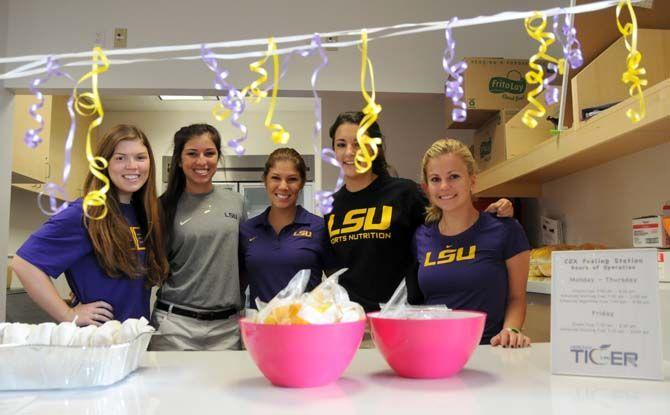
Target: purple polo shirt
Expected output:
[62,245]
[468,271]
[269,260]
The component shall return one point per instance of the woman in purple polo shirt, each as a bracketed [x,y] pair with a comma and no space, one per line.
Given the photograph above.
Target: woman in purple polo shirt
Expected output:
[110,263]
[467,259]
[285,238]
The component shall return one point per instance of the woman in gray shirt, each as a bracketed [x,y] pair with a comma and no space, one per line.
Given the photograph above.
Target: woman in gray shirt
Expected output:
[198,305]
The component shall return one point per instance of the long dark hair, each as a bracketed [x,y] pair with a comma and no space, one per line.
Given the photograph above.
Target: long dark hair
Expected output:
[176,178]
[379,165]
[110,236]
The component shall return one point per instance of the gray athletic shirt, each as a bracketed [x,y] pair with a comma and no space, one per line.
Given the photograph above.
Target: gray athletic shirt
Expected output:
[203,251]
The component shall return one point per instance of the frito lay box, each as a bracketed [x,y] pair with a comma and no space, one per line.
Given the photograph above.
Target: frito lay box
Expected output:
[648,232]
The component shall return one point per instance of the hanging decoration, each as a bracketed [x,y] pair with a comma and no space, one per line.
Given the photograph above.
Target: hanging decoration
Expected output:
[51,189]
[535,26]
[88,104]
[633,70]
[231,103]
[453,87]
[368,146]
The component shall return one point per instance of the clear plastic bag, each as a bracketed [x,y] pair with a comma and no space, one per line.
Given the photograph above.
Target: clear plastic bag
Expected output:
[327,303]
[398,307]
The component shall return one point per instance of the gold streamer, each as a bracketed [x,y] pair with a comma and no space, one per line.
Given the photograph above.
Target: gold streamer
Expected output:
[633,72]
[279,135]
[536,74]
[368,150]
[89,104]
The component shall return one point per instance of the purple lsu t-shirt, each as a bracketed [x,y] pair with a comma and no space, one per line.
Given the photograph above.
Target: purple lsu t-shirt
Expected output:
[468,271]
[62,245]
[269,260]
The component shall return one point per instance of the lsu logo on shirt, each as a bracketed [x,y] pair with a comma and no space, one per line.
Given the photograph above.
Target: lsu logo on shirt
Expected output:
[303,233]
[138,238]
[449,255]
[365,223]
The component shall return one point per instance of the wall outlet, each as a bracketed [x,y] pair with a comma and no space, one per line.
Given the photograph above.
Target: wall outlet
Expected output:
[120,37]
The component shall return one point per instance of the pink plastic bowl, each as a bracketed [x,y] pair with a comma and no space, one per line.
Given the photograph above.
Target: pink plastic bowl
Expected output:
[302,356]
[428,349]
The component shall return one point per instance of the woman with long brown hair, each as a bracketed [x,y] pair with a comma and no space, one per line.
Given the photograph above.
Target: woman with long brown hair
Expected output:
[197,307]
[110,263]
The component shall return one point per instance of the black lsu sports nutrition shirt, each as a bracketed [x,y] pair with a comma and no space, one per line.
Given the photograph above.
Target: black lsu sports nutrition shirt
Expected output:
[371,233]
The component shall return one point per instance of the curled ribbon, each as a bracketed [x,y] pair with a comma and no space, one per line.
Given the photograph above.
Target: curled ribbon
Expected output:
[567,36]
[323,198]
[89,104]
[231,102]
[32,136]
[279,135]
[633,71]
[453,87]
[51,189]
[368,150]
[536,75]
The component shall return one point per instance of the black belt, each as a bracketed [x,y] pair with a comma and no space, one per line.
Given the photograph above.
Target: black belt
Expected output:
[199,315]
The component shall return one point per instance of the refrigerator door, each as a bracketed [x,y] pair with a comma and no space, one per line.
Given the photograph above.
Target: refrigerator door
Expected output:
[234,186]
[255,198]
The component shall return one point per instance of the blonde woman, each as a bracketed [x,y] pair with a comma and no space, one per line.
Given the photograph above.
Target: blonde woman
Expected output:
[469,259]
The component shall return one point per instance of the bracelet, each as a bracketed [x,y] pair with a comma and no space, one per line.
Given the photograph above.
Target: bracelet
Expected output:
[513,330]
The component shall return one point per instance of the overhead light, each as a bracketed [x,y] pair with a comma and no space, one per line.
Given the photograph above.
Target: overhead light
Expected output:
[187,98]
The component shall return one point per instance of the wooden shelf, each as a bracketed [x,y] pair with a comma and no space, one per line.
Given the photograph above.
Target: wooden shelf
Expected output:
[607,136]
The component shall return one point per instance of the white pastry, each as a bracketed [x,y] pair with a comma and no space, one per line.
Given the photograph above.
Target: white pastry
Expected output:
[105,335]
[16,333]
[63,334]
[131,328]
[41,334]
[83,335]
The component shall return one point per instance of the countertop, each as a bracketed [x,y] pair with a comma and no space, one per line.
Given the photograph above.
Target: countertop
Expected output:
[494,381]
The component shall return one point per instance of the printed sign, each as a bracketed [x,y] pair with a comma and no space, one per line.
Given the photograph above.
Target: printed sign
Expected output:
[605,318]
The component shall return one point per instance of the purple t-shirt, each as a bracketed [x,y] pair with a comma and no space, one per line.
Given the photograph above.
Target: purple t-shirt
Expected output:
[62,245]
[468,271]
[269,261]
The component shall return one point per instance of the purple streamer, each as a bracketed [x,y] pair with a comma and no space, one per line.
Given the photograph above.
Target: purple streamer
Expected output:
[324,198]
[567,36]
[32,137]
[51,189]
[232,99]
[552,95]
[453,86]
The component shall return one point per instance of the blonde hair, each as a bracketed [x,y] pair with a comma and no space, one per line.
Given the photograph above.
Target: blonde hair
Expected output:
[437,149]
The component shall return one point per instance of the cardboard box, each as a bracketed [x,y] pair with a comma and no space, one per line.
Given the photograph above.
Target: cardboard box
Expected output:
[491,84]
[599,82]
[648,232]
[505,136]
